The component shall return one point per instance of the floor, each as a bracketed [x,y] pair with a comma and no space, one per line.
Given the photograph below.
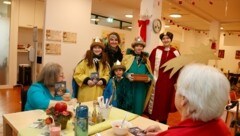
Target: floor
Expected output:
[10,102]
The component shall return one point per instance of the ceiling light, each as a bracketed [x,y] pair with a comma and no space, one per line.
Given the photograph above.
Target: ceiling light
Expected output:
[129,27]
[95,19]
[7,2]
[109,20]
[221,28]
[166,26]
[175,15]
[129,16]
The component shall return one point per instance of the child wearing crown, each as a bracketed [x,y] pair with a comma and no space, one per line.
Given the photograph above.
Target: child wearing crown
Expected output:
[115,91]
[92,73]
[137,63]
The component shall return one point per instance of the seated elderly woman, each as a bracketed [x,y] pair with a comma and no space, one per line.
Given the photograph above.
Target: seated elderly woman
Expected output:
[201,95]
[41,94]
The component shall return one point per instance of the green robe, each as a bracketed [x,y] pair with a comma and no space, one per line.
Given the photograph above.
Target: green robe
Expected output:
[140,91]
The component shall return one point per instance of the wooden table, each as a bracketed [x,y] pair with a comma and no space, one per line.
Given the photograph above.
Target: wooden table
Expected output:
[14,122]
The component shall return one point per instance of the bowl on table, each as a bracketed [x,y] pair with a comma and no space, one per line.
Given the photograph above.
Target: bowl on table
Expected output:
[119,128]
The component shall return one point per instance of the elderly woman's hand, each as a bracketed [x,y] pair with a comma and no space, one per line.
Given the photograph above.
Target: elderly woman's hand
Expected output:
[152,130]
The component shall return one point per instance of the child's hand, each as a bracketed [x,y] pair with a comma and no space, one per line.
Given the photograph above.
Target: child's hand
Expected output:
[148,80]
[66,97]
[129,76]
[100,82]
[90,83]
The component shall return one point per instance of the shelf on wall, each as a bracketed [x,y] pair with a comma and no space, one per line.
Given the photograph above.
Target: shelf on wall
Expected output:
[22,50]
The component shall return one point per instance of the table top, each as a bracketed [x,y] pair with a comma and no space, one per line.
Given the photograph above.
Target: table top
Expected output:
[21,120]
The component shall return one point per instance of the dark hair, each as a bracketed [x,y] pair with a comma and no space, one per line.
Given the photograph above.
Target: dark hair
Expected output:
[169,34]
[114,33]
[89,57]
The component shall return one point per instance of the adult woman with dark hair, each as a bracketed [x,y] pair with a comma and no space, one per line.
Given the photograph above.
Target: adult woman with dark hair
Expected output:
[201,94]
[42,94]
[92,73]
[112,48]
[162,99]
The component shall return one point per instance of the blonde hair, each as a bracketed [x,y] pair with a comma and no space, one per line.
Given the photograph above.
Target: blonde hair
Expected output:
[206,90]
[49,74]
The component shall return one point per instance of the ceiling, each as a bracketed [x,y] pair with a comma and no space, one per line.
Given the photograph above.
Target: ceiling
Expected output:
[195,17]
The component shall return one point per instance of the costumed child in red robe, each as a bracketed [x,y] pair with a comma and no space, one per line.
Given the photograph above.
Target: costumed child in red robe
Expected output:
[162,99]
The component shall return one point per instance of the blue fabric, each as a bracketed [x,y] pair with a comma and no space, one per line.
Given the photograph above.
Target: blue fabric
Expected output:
[108,92]
[38,97]
[75,88]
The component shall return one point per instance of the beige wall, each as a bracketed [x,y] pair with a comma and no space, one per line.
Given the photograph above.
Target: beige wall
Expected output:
[74,16]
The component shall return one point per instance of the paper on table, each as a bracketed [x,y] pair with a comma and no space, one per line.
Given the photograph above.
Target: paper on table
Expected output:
[115,114]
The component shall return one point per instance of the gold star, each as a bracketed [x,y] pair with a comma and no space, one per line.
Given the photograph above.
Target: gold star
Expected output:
[201,54]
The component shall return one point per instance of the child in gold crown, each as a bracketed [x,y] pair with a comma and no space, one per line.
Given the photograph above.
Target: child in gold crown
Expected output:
[115,91]
[92,73]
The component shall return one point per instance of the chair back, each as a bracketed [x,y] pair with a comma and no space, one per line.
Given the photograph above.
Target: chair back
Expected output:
[233,96]
[23,98]
[23,95]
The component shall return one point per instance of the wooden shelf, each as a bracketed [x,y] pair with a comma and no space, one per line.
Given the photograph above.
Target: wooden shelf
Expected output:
[22,50]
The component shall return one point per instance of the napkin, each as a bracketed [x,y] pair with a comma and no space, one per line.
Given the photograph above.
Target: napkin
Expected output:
[115,114]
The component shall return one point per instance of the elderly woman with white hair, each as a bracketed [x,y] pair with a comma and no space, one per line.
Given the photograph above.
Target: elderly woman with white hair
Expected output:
[201,95]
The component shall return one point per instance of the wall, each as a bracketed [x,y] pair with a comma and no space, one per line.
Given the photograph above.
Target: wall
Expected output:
[229,63]
[74,16]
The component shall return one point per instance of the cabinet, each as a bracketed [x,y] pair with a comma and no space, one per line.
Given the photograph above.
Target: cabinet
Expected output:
[31,13]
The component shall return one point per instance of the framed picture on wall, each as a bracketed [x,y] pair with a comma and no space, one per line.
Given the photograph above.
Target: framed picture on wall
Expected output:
[221,53]
[237,56]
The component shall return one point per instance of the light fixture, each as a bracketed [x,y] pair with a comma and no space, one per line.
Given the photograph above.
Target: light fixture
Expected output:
[129,27]
[221,28]
[166,26]
[129,16]
[7,2]
[109,20]
[95,19]
[175,15]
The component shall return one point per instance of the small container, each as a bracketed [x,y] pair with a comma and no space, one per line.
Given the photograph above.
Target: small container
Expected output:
[81,124]
[55,129]
[105,111]
[119,128]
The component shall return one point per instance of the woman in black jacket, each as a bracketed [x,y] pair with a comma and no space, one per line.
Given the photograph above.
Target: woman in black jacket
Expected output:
[112,48]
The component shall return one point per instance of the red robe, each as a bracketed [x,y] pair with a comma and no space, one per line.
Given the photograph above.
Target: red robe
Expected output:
[198,128]
[164,92]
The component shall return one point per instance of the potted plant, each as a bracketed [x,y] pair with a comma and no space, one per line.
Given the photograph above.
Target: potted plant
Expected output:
[59,114]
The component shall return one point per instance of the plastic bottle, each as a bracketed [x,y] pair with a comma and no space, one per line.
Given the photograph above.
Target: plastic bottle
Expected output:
[81,124]
[94,113]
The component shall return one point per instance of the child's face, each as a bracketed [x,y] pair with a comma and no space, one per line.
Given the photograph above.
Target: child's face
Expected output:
[97,50]
[166,41]
[138,49]
[118,73]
